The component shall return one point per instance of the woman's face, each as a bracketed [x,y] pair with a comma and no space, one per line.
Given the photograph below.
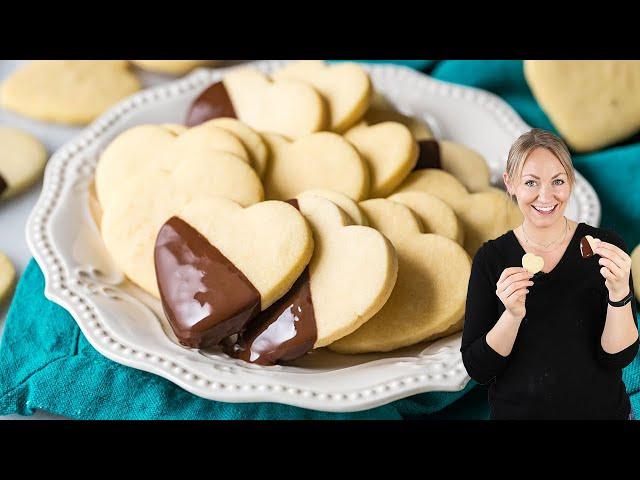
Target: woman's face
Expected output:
[543,189]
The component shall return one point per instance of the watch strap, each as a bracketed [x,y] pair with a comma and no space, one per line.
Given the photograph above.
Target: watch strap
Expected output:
[622,302]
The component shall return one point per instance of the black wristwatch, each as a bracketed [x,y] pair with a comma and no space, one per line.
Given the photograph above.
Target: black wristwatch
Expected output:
[622,302]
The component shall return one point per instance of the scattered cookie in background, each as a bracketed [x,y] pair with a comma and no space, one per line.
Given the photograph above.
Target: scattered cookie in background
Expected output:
[635,270]
[7,277]
[173,67]
[587,246]
[22,160]
[532,263]
[592,103]
[67,91]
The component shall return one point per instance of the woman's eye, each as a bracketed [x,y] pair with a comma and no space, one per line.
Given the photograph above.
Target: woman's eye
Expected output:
[559,180]
[528,182]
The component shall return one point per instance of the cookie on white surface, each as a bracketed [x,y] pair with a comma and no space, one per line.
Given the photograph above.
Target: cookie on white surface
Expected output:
[22,161]
[173,67]
[7,276]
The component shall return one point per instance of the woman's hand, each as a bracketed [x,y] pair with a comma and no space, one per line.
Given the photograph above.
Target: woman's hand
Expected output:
[512,290]
[616,266]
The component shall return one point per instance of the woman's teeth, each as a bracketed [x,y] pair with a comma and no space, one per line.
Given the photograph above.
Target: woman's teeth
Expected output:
[544,210]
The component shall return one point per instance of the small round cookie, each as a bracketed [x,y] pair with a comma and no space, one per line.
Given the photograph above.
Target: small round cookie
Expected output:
[345,87]
[349,279]
[390,152]
[436,216]
[467,165]
[149,147]
[218,264]
[67,91]
[381,110]
[484,215]
[350,207]
[251,140]
[635,270]
[287,107]
[320,160]
[431,289]
[22,160]
[7,276]
[173,67]
[532,263]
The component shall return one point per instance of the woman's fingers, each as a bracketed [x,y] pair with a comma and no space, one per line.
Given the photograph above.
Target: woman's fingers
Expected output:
[516,286]
[613,253]
[507,272]
[502,286]
[612,267]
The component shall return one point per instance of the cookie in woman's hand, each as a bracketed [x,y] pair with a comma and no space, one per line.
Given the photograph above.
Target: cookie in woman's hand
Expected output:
[532,263]
[430,292]
[7,276]
[345,87]
[320,160]
[587,246]
[22,160]
[350,277]
[173,67]
[67,91]
[219,264]
[287,107]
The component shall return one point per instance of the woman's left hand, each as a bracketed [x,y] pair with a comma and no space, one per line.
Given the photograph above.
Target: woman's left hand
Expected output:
[616,267]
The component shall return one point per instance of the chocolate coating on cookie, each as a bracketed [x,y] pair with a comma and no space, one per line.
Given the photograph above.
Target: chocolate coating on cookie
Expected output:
[429,155]
[214,102]
[205,297]
[3,185]
[585,248]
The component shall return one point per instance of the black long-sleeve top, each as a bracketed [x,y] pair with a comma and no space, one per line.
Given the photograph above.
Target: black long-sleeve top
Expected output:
[557,368]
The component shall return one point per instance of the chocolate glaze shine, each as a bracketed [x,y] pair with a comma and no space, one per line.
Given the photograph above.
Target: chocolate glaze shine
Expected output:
[429,155]
[3,185]
[585,248]
[214,102]
[205,297]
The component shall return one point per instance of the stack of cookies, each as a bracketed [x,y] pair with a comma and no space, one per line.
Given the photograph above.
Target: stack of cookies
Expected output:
[298,211]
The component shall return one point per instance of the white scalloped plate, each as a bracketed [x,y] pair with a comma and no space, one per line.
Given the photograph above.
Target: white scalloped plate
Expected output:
[128,326]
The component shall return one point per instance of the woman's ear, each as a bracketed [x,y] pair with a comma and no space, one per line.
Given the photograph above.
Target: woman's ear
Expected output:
[505,179]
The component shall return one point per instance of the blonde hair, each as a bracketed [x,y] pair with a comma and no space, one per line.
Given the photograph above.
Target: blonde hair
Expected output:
[537,138]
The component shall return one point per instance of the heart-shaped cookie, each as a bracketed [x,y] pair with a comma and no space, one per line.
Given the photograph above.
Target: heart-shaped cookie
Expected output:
[287,107]
[592,103]
[218,264]
[173,67]
[532,263]
[390,152]
[484,215]
[143,203]
[7,276]
[145,148]
[67,91]
[22,160]
[381,110]
[320,160]
[431,289]
[349,279]
[349,206]
[587,246]
[345,87]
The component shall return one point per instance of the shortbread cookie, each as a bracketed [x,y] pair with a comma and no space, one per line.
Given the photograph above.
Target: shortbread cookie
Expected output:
[173,67]
[467,165]
[345,87]
[484,215]
[320,160]
[381,110]
[218,264]
[532,263]
[22,160]
[390,152]
[251,140]
[350,207]
[635,270]
[436,216]
[7,276]
[143,203]
[150,147]
[349,279]
[67,91]
[587,247]
[431,289]
[287,107]
[592,103]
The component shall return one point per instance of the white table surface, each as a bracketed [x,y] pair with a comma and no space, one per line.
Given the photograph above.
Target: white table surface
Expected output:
[14,212]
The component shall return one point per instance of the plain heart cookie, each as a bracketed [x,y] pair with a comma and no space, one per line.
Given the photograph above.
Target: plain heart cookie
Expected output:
[430,292]
[22,160]
[532,263]
[345,87]
[218,264]
[349,206]
[592,103]
[484,215]
[7,276]
[67,91]
[381,110]
[390,152]
[173,67]
[287,107]
[349,279]
[146,148]
[320,160]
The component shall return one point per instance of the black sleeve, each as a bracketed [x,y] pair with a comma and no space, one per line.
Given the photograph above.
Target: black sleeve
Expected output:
[624,357]
[482,362]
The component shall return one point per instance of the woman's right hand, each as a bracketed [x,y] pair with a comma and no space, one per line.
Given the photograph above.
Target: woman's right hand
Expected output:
[512,290]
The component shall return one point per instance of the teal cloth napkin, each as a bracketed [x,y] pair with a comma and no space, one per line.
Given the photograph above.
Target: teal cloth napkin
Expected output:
[46,363]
